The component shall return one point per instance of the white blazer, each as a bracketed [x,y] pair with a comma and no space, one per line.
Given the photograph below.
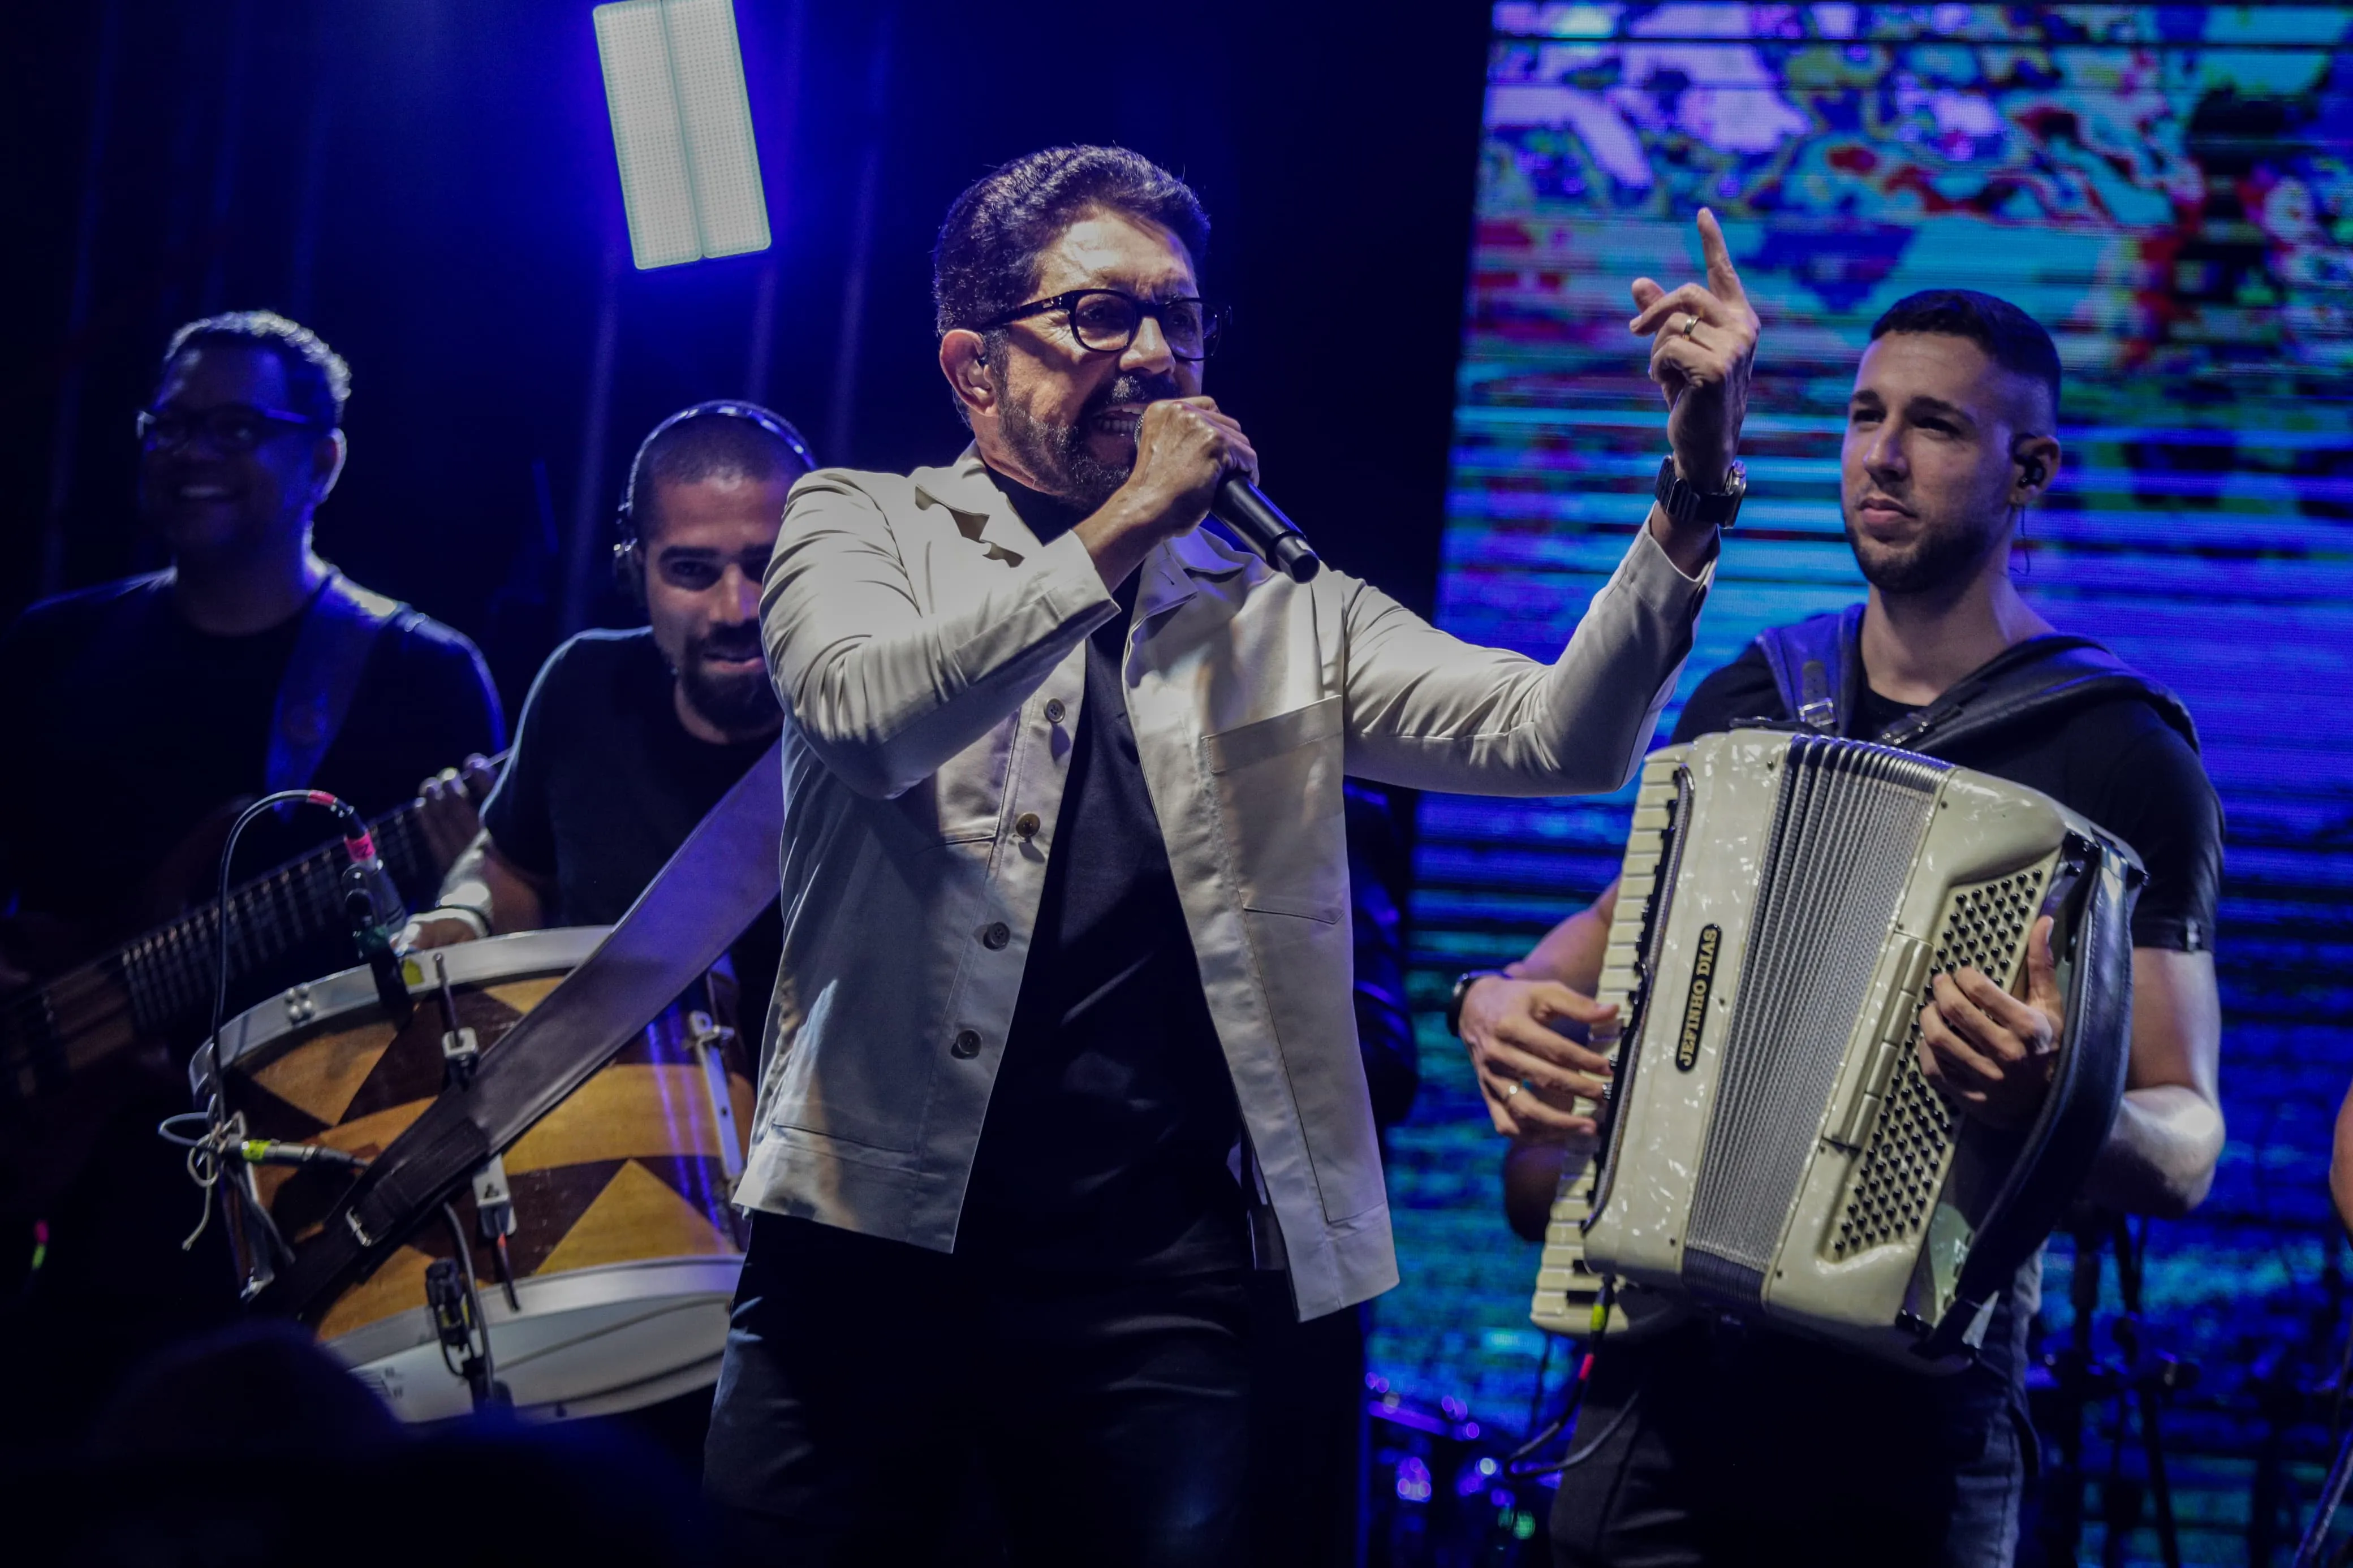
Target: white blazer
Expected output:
[931,656]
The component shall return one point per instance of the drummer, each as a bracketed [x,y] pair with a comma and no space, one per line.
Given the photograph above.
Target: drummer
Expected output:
[630,738]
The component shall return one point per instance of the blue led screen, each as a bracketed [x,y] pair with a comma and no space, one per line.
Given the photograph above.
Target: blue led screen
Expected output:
[2170,190]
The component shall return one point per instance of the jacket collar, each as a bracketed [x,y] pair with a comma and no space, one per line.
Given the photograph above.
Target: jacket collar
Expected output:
[1172,574]
[982,514]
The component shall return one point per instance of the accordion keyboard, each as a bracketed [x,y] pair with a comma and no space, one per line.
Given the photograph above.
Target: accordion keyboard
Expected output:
[1566,1290]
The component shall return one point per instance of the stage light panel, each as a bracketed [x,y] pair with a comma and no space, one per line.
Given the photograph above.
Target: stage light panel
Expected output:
[681,130]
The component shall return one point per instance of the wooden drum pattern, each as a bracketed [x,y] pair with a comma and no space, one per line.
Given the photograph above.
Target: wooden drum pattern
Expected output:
[624,1247]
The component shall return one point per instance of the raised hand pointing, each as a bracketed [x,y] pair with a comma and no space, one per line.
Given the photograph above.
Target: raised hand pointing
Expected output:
[1703,348]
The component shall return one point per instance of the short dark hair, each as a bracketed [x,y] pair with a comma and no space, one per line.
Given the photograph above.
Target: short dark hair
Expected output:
[724,436]
[318,381]
[987,258]
[2010,338]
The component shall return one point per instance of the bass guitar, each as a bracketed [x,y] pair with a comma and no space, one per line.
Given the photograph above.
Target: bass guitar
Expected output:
[70,1041]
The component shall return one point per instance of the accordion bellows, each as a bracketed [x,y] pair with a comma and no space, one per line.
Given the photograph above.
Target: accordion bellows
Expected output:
[1771,1149]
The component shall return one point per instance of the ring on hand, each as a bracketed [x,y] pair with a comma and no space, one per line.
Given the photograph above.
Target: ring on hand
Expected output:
[1514,1090]
[1691,325]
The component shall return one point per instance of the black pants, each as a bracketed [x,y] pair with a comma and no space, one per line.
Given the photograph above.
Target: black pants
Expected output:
[1307,1501]
[869,1385]
[1721,1446]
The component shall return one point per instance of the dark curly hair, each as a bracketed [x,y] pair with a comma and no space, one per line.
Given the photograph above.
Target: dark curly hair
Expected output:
[317,380]
[2010,338]
[987,258]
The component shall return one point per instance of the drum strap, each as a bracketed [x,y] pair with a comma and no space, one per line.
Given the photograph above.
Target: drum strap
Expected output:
[719,880]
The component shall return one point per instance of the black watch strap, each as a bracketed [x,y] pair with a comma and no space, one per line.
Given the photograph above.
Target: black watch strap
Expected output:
[1463,984]
[1685,502]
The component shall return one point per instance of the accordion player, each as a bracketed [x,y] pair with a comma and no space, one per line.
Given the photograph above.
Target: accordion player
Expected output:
[1770,1148]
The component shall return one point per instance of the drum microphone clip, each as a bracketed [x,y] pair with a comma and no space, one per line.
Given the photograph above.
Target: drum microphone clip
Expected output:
[373,907]
[450,1299]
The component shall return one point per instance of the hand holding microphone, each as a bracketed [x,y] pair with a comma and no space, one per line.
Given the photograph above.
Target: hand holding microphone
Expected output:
[1193,459]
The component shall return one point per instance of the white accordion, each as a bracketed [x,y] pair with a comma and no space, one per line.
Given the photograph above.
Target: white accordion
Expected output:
[1770,1148]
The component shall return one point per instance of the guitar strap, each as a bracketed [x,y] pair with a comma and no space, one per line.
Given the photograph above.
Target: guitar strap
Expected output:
[314,697]
[720,880]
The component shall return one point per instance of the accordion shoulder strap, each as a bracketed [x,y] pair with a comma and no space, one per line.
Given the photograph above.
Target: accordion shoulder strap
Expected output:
[1818,668]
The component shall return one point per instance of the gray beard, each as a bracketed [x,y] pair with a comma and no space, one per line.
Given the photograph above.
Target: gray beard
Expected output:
[1058,453]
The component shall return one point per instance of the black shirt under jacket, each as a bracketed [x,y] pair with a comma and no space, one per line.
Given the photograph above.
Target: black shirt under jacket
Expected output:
[1109,1128]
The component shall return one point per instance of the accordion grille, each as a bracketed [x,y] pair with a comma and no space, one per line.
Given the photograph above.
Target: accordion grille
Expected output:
[1848,821]
[1895,1183]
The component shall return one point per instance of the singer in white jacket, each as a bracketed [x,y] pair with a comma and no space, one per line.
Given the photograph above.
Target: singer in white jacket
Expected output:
[1064,1000]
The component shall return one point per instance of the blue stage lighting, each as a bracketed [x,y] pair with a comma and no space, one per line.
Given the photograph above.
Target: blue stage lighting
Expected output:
[681,130]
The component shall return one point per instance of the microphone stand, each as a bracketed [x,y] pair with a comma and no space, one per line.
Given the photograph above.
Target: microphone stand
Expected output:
[2137,1383]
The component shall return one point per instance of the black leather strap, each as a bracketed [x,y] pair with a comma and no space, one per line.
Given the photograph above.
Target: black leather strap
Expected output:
[2086,1087]
[2039,678]
[721,878]
[339,632]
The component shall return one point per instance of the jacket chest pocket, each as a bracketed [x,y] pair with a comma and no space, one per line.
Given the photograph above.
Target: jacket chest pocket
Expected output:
[1279,784]
[961,803]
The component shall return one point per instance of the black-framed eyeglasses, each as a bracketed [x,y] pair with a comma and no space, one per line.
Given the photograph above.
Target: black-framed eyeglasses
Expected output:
[231,427]
[1106,321]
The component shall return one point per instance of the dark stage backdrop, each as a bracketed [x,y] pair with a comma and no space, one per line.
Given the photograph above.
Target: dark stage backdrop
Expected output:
[2168,190]
[430,184]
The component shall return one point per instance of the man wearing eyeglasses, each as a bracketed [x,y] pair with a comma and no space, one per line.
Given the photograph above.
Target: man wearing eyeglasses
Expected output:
[1063,1040]
[136,715]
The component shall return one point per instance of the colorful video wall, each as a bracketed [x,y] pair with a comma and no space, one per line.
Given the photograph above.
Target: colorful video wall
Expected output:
[2170,190]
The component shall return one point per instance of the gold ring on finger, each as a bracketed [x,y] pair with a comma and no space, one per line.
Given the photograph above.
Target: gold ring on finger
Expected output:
[1514,1090]
[1691,326]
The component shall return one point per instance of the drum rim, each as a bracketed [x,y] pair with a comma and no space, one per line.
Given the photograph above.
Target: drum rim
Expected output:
[673,1279]
[564,947]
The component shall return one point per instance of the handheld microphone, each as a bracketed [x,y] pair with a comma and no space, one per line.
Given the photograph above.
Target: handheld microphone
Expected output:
[1243,507]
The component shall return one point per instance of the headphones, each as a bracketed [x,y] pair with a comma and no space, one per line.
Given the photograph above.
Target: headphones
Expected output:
[626,524]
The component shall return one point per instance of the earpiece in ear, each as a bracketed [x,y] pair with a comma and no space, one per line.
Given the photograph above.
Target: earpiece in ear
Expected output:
[2032,470]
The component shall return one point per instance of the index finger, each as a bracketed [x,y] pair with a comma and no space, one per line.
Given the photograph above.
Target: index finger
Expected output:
[1722,278]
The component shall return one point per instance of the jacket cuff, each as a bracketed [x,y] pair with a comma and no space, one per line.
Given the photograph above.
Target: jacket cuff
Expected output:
[1654,578]
[1073,590]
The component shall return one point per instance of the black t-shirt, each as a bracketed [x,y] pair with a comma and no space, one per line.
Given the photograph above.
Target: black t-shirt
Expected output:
[606,783]
[2117,763]
[127,729]
[1112,1114]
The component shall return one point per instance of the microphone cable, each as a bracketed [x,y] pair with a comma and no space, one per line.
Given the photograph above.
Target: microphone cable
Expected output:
[223,1132]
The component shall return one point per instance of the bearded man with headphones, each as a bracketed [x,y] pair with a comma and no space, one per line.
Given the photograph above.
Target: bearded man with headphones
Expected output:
[630,738]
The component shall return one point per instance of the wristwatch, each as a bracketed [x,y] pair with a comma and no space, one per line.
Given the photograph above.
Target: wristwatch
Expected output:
[1463,988]
[1683,502]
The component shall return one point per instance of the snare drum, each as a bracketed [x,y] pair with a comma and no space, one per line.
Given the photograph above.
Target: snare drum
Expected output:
[624,1247]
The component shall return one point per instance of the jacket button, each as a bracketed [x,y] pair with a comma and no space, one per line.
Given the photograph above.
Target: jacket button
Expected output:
[1053,710]
[996,935]
[1027,824]
[966,1045]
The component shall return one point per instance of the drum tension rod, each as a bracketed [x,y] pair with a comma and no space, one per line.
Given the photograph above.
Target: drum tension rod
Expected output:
[494,1214]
